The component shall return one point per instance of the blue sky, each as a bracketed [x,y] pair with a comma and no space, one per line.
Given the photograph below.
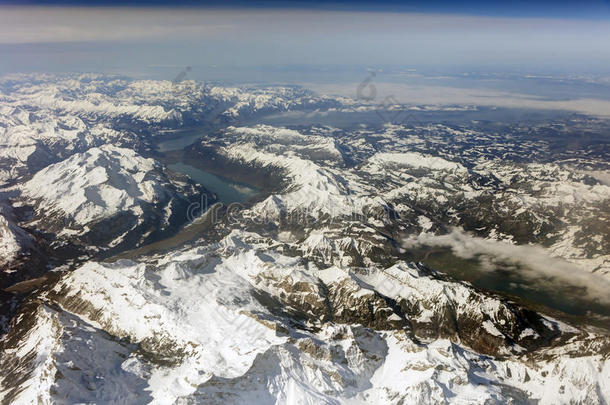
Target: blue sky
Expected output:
[590,9]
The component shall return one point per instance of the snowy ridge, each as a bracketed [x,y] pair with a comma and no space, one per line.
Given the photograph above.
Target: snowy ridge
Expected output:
[379,161]
[49,116]
[96,184]
[316,187]
[320,181]
[32,359]
[13,240]
[202,327]
[106,197]
[249,101]
[89,96]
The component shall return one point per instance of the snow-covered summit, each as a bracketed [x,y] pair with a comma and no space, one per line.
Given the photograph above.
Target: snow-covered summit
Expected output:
[111,194]
[96,184]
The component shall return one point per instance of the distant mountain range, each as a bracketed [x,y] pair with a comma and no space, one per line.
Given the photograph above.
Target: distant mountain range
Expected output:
[342,281]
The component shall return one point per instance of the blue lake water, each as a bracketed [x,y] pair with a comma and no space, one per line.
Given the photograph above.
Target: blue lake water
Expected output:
[227,190]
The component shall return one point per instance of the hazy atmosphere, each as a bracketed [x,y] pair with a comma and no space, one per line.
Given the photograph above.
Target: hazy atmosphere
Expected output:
[423,51]
[140,39]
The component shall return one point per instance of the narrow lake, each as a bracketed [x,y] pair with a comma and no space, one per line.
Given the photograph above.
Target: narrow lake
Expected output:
[227,190]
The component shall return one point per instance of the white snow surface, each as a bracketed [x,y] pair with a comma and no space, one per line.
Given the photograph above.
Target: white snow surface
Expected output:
[416,160]
[13,239]
[96,184]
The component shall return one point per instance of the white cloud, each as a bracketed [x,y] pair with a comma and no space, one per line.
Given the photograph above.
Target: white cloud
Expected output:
[446,95]
[534,262]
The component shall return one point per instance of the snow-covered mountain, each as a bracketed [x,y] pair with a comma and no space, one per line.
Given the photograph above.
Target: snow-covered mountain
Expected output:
[392,184]
[45,118]
[105,196]
[318,290]
[239,322]
[13,240]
